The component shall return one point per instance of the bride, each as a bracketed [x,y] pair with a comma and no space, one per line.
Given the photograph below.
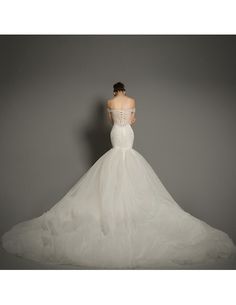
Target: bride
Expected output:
[118,214]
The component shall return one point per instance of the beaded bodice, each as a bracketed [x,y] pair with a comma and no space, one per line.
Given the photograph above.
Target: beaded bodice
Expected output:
[121,116]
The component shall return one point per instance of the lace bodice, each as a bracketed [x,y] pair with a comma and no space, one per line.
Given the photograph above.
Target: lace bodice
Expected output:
[121,116]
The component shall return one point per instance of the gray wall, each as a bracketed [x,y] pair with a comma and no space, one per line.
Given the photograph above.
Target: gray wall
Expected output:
[52,95]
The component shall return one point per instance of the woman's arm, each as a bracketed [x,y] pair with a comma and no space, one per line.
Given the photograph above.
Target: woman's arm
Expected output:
[108,113]
[133,115]
[132,118]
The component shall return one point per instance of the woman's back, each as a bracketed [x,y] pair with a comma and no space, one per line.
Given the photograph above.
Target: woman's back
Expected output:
[121,102]
[121,109]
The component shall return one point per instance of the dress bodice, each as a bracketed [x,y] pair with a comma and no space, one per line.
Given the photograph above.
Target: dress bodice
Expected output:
[121,116]
[122,135]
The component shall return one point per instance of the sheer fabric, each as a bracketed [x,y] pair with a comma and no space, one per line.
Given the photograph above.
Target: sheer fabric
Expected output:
[119,215]
[121,116]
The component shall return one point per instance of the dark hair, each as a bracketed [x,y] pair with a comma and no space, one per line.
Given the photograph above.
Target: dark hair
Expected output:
[118,87]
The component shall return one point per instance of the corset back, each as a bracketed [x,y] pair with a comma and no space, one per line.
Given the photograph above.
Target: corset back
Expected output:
[121,116]
[122,135]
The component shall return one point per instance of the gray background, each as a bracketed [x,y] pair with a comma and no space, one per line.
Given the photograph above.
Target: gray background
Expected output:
[53,91]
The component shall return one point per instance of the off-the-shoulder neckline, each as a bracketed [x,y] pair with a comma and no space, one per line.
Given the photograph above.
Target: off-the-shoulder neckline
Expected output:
[119,109]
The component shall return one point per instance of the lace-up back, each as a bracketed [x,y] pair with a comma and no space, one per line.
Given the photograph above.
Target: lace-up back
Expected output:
[121,116]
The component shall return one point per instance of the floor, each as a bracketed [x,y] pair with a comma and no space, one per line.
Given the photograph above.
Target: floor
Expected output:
[12,262]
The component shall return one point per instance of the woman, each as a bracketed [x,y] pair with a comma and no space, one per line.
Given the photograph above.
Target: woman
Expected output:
[119,214]
[121,101]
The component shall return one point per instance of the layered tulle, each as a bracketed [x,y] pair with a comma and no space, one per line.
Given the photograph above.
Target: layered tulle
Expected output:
[118,215]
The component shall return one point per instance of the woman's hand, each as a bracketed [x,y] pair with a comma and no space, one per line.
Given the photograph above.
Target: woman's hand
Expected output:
[133,120]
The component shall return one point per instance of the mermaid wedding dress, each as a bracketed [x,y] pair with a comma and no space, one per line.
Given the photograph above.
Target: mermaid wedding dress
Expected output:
[118,215]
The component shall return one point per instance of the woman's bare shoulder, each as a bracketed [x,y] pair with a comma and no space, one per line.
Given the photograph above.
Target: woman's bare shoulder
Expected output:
[131,102]
[110,103]
[114,103]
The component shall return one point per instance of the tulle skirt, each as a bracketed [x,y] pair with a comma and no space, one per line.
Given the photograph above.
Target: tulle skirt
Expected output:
[118,215]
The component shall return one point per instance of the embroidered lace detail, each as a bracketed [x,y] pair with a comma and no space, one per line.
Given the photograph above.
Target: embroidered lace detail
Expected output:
[121,116]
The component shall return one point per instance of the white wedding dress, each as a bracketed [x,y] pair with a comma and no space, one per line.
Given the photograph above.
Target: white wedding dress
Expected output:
[118,215]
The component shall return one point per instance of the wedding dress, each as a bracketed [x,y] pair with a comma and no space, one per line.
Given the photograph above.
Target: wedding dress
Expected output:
[118,215]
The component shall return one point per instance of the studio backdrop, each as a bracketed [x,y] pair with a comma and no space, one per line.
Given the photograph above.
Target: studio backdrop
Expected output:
[53,121]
